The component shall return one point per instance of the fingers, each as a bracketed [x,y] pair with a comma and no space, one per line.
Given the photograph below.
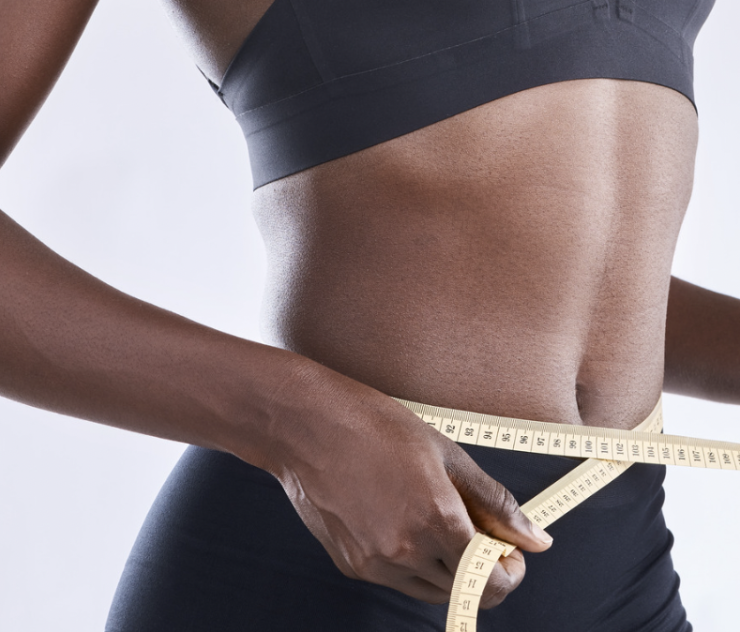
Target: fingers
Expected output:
[422,577]
[492,508]
[423,590]
[506,576]
[433,584]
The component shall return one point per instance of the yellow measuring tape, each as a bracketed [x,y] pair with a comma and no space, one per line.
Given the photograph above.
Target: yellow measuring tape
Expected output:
[608,453]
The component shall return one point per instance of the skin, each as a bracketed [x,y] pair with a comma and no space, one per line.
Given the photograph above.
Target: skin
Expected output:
[559,208]
[702,344]
[37,39]
[513,259]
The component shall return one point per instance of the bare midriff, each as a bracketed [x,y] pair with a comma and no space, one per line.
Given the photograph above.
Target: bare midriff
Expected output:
[513,259]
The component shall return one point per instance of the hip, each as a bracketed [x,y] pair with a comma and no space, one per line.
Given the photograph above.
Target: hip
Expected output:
[223,548]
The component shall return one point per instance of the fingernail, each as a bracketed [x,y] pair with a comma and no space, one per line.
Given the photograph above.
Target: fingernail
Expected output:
[541,534]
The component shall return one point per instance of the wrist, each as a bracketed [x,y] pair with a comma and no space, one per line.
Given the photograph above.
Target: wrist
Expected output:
[267,399]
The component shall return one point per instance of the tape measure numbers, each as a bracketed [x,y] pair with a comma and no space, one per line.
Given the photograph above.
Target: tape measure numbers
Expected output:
[608,453]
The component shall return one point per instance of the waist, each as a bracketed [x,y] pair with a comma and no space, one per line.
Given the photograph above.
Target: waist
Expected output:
[466,320]
[436,350]
[490,262]
[525,475]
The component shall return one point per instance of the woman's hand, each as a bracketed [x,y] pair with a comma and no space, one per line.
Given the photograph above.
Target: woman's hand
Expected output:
[393,501]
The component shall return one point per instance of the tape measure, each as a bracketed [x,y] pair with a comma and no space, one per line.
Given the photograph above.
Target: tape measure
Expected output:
[608,453]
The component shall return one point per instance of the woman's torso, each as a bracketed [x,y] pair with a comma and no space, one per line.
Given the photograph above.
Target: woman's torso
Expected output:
[512,259]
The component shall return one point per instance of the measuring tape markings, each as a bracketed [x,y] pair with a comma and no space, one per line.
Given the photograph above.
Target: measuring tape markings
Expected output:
[637,446]
[609,453]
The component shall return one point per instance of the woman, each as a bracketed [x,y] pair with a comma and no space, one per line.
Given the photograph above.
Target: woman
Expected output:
[435,246]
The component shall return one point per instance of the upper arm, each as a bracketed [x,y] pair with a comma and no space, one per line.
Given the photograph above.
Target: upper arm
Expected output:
[213,30]
[36,39]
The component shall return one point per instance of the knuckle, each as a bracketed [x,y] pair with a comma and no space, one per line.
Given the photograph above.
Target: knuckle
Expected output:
[515,568]
[348,571]
[494,596]
[504,580]
[389,554]
[497,590]
[437,600]
[399,553]
[345,566]
[460,533]
[506,506]
[365,566]
[450,523]
[433,596]
[447,512]
[362,571]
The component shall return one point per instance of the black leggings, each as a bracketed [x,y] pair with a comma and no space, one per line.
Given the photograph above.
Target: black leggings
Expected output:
[223,550]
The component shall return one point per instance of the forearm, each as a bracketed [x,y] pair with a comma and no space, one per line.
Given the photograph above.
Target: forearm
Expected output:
[72,344]
[702,351]
[37,38]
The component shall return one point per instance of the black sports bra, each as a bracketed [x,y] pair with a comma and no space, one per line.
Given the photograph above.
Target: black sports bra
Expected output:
[319,79]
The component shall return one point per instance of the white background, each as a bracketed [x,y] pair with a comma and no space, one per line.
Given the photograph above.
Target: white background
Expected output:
[137,173]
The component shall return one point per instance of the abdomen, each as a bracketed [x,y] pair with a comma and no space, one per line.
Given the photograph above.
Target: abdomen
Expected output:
[512,259]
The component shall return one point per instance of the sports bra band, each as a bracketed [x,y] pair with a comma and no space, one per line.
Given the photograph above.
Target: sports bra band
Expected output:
[320,79]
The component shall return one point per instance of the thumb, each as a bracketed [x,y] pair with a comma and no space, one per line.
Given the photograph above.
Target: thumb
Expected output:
[493,509]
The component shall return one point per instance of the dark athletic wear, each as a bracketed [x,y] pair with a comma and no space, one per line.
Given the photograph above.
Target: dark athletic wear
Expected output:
[223,550]
[320,79]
